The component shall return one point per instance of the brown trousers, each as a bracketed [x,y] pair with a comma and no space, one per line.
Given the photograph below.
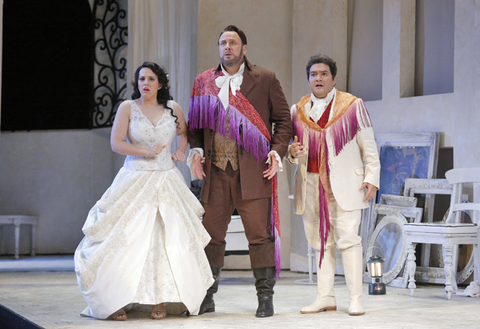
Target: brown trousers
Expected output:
[224,197]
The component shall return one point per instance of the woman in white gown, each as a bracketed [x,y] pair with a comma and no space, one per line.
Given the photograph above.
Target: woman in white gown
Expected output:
[144,243]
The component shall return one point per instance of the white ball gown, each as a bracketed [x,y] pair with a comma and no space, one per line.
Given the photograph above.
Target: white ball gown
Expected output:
[144,243]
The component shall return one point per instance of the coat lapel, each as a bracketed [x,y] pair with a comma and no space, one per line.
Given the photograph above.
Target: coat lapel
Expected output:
[249,79]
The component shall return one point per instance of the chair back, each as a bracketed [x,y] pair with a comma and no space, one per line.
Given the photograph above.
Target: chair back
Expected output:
[459,177]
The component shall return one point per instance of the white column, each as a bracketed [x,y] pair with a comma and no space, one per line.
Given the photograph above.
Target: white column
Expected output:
[407,48]
[319,26]
[391,49]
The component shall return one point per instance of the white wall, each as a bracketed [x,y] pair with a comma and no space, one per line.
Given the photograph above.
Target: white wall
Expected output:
[439,29]
[365,71]
[58,176]
[267,25]
[454,114]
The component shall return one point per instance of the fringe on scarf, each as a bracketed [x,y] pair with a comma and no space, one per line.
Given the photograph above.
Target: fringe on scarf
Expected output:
[344,130]
[275,224]
[207,110]
[324,227]
[323,214]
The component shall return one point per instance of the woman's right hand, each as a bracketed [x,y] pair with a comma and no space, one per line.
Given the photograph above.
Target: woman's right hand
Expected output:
[156,149]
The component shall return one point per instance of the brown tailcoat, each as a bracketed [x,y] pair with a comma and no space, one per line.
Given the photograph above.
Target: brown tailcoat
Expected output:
[263,91]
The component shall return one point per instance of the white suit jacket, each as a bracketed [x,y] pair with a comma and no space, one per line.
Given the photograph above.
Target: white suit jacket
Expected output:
[358,162]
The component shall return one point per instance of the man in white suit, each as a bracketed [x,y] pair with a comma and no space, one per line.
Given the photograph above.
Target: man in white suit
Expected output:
[338,171]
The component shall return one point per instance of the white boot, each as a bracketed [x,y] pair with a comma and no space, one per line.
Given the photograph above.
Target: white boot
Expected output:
[325,279]
[352,265]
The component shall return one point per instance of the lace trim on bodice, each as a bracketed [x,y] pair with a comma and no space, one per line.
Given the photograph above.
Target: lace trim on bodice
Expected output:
[142,133]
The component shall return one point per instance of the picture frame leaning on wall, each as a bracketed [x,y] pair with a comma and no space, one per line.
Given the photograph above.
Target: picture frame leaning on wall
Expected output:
[402,156]
[388,237]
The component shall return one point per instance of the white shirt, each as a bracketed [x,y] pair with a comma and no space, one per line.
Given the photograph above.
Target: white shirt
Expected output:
[234,81]
[320,105]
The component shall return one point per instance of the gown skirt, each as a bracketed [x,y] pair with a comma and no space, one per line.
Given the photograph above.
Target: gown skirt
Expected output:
[144,244]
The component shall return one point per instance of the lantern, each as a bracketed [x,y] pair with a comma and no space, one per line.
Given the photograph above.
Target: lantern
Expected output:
[375,269]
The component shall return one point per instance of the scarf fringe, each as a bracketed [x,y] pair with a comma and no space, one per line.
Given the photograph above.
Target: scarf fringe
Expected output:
[275,225]
[314,138]
[324,227]
[345,129]
[209,111]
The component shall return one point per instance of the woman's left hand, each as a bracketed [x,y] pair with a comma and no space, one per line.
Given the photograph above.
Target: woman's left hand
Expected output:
[179,156]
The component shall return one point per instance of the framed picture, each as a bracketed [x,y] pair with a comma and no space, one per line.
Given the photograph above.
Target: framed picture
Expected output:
[398,200]
[405,155]
[402,156]
[389,240]
[387,200]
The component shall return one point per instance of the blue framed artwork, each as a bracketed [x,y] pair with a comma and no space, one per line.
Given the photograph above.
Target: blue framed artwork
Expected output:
[399,163]
[404,155]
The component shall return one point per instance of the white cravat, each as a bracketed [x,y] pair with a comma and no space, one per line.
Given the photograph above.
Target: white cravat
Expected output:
[224,81]
[320,104]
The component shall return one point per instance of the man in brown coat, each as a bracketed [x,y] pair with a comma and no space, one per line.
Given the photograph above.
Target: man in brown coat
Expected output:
[237,153]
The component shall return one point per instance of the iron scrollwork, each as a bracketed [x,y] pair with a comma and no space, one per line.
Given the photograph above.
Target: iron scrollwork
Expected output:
[110,56]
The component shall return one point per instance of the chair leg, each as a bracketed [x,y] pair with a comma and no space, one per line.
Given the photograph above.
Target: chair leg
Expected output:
[454,268]
[476,257]
[17,241]
[34,231]
[476,260]
[412,266]
[448,267]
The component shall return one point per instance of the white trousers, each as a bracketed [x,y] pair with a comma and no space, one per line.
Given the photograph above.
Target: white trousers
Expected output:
[344,225]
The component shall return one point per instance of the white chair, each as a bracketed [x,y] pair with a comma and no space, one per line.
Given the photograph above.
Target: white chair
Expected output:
[451,233]
[237,243]
[18,220]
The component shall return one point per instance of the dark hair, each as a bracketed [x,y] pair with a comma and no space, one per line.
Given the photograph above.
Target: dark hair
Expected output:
[233,28]
[163,95]
[322,59]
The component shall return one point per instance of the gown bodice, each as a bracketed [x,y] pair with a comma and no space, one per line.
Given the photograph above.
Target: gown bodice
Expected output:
[142,133]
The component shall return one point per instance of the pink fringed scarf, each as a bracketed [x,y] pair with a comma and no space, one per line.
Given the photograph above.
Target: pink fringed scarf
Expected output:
[246,128]
[349,117]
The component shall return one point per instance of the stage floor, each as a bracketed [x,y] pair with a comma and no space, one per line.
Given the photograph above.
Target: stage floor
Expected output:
[50,298]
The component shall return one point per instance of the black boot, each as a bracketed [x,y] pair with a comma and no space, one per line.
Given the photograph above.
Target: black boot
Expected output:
[264,282]
[208,304]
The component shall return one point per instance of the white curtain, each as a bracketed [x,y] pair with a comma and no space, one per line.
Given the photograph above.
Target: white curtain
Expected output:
[165,32]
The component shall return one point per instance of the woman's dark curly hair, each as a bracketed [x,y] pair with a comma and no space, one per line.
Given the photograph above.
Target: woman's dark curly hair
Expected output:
[163,95]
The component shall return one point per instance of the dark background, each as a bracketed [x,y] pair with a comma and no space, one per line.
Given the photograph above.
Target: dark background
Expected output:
[47,68]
